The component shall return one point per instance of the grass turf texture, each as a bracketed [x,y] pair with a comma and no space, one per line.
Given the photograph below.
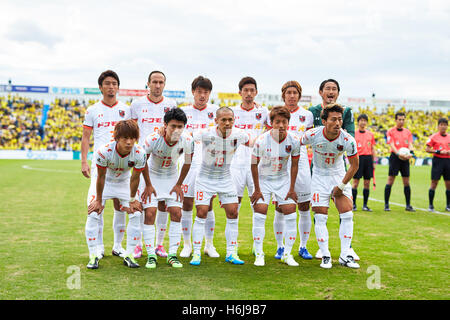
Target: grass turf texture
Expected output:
[44,213]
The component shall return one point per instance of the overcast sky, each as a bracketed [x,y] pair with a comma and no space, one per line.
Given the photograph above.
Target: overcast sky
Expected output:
[393,48]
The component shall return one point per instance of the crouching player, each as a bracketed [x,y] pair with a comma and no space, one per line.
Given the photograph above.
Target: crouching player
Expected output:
[114,181]
[163,182]
[271,153]
[331,180]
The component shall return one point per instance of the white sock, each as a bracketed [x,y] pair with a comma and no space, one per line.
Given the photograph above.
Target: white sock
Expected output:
[346,232]
[304,227]
[149,238]
[198,232]
[101,224]
[174,236]
[91,232]
[290,233]
[161,226]
[259,231]
[186,226]
[133,231]
[231,235]
[209,228]
[320,227]
[278,228]
[119,225]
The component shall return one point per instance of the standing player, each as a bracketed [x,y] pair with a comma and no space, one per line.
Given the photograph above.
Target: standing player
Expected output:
[149,112]
[270,176]
[100,120]
[219,144]
[200,115]
[301,120]
[331,180]
[329,92]
[114,162]
[399,137]
[439,145]
[366,151]
[164,182]
[252,118]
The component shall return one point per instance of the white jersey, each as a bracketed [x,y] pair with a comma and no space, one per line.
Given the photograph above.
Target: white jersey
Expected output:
[199,119]
[274,155]
[328,155]
[252,121]
[218,152]
[102,118]
[164,157]
[150,115]
[118,167]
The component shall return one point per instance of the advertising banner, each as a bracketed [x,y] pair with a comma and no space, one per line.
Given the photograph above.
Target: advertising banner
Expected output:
[174,94]
[132,92]
[38,89]
[228,96]
[66,90]
[92,91]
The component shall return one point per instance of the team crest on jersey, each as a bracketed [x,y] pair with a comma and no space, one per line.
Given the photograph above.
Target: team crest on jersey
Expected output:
[258,116]
[340,147]
[122,113]
[288,148]
[166,109]
[302,118]
[210,115]
[131,164]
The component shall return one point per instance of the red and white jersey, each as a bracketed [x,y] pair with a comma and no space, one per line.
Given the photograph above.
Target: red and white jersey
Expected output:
[218,152]
[274,155]
[328,155]
[119,167]
[163,156]
[102,118]
[199,119]
[252,121]
[150,115]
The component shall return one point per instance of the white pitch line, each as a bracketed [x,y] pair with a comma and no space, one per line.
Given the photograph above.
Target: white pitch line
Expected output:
[403,205]
[48,170]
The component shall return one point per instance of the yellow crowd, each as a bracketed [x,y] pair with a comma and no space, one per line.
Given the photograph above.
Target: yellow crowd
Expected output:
[20,124]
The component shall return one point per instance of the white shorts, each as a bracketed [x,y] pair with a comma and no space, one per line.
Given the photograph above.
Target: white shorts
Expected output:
[205,190]
[188,185]
[322,187]
[303,182]
[278,189]
[242,177]
[112,190]
[162,188]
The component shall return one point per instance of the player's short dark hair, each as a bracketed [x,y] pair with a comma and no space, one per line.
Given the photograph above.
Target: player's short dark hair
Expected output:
[247,80]
[333,107]
[126,129]
[363,116]
[222,110]
[281,111]
[399,114]
[175,114]
[108,73]
[443,120]
[201,82]
[329,80]
[156,71]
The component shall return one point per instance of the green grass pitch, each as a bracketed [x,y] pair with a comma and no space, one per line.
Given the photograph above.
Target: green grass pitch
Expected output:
[403,255]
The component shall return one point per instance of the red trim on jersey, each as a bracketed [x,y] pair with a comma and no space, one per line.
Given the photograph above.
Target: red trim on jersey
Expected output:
[198,108]
[254,104]
[279,142]
[295,157]
[295,110]
[87,127]
[138,170]
[120,154]
[153,101]
[170,145]
[352,156]
[323,131]
[115,104]
[255,157]
[100,167]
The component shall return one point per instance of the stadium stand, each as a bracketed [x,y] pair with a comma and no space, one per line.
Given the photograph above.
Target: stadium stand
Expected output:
[21,128]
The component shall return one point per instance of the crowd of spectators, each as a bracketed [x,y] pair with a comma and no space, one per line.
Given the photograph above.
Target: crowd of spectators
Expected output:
[21,124]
